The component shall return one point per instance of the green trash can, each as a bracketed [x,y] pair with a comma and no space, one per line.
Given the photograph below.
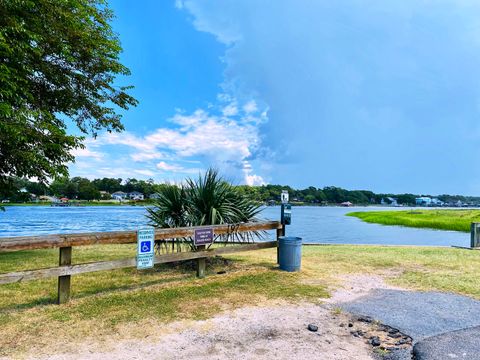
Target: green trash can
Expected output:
[290,253]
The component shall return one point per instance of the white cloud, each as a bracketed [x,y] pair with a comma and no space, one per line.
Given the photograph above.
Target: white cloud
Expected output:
[86,152]
[250,107]
[145,156]
[230,110]
[221,137]
[169,167]
[254,180]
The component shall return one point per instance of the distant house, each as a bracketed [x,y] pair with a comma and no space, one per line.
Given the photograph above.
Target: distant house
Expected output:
[119,195]
[346,204]
[135,195]
[154,196]
[48,198]
[437,202]
[389,201]
[423,201]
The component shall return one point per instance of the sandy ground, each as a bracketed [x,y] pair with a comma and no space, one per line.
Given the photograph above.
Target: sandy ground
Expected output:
[273,332]
[267,331]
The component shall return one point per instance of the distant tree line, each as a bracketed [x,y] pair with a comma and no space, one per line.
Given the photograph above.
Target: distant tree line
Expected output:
[85,189]
[80,188]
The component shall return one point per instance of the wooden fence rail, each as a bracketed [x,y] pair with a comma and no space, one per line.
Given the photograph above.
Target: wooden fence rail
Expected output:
[65,242]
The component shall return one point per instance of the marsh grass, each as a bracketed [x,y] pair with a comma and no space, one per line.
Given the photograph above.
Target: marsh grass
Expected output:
[105,302]
[457,220]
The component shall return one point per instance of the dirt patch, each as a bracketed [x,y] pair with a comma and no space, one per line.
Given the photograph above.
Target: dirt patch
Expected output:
[272,329]
[263,332]
[356,286]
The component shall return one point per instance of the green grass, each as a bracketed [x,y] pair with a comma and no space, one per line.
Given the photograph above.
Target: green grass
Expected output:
[458,220]
[104,303]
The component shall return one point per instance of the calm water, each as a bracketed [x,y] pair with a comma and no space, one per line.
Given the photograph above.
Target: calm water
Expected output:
[313,224]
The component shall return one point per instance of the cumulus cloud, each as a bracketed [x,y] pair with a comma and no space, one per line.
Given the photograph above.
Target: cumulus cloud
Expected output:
[226,138]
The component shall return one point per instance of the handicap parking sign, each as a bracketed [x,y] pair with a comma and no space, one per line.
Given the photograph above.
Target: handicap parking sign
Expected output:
[145,255]
[145,246]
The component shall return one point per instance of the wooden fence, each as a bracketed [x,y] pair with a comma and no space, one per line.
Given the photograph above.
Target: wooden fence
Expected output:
[65,242]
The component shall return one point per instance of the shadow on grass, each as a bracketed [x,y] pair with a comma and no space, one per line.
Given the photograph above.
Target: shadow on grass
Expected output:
[129,287]
[175,271]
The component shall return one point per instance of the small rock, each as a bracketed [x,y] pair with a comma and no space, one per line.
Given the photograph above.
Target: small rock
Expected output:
[375,341]
[312,327]
[395,336]
[383,328]
[350,325]
[393,331]
[357,333]
[401,342]
[342,325]
[366,319]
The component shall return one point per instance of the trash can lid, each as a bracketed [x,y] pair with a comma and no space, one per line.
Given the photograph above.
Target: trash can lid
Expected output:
[290,238]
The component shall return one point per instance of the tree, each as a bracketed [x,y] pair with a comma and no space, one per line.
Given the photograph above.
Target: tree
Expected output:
[208,200]
[86,191]
[58,61]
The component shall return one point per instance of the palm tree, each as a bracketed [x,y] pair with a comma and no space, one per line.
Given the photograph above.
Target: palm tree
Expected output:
[208,200]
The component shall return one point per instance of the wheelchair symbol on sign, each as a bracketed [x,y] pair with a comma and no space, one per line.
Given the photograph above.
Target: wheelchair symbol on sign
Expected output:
[145,246]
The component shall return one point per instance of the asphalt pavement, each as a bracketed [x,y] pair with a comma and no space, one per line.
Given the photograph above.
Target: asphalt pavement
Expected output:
[442,325]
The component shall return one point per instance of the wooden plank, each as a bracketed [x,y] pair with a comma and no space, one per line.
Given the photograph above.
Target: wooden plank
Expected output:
[125,263]
[65,259]
[121,237]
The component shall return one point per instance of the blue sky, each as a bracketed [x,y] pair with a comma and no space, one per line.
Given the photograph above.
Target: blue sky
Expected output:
[360,94]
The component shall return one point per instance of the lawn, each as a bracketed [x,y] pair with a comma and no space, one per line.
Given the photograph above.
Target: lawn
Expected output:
[105,302]
[458,220]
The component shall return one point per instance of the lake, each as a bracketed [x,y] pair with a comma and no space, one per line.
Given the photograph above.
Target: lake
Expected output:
[313,224]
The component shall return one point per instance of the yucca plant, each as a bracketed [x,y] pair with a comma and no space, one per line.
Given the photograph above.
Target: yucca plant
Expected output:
[208,200]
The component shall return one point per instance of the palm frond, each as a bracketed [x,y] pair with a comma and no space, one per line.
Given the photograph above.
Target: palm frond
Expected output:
[207,200]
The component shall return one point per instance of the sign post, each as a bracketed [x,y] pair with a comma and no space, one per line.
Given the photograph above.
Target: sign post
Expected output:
[145,246]
[285,218]
[202,237]
[286,211]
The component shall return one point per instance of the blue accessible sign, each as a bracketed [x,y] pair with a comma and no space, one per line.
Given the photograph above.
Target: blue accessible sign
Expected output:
[145,242]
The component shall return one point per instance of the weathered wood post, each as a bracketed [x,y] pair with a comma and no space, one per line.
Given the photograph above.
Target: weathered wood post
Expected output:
[201,263]
[475,235]
[65,258]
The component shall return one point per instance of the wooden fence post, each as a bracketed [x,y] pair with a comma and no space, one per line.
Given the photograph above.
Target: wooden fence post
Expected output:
[65,258]
[201,263]
[475,235]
